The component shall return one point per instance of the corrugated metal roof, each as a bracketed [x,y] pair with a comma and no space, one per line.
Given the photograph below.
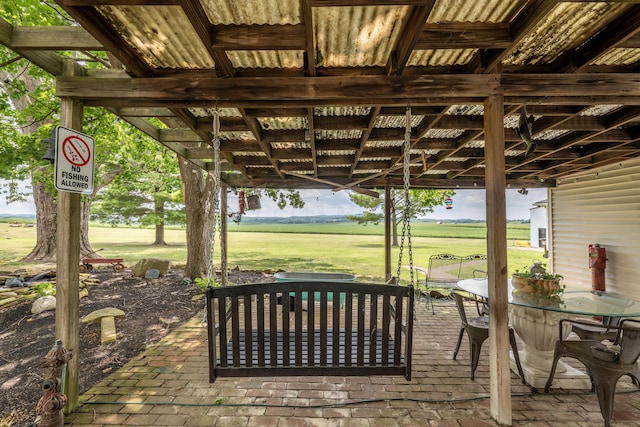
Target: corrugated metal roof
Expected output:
[474,11]
[257,12]
[162,35]
[619,57]
[567,25]
[364,64]
[441,57]
[356,36]
[283,123]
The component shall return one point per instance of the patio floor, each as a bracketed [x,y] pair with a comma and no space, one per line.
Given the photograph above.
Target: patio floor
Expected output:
[167,385]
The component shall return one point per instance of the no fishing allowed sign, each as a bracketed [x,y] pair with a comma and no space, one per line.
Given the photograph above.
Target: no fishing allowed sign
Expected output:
[74,161]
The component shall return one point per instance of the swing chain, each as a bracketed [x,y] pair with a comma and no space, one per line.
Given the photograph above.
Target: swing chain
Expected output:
[216,192]
[406,215]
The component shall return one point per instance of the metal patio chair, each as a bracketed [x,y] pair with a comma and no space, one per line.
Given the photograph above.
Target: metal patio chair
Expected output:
[477,329]
[605,364]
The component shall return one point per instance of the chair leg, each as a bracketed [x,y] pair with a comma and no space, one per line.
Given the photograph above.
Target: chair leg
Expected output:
[475,346]
[554,364]
[605,385]
[516,356]
[455,352]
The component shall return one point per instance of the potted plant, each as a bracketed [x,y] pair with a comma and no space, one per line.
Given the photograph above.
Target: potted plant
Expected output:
[537,280]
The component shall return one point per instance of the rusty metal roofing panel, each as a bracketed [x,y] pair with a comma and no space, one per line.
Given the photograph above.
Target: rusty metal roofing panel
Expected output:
[619,57]
[283,123]
[162,35]
[266,58]
[474,144]
[384,144]
[260,12]
[600,109]
[236,135]
[208,112]
[249,154]
[467,110]
[338,134]
[474,11]
[441,57]
[550,134]
[396,121]
[356,36]
[444,133]
[341,111]
[566,26]
[290,145]
[336,152]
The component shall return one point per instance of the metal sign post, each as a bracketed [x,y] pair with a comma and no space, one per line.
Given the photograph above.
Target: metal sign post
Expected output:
[74,161]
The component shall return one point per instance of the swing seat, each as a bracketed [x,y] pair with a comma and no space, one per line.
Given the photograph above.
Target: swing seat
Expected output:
[270,329]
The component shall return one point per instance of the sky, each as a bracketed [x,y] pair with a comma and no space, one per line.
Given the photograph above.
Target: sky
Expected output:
[467,204]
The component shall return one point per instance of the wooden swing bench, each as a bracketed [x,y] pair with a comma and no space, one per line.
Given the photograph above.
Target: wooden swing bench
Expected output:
[275,329]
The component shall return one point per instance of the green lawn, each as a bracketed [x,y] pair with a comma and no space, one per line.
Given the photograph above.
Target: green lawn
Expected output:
[358,254]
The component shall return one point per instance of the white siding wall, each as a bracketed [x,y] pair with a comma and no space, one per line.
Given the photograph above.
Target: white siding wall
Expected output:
[600,207]
[538,219]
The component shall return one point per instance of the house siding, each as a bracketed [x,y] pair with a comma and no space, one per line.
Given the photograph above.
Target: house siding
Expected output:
[601,207]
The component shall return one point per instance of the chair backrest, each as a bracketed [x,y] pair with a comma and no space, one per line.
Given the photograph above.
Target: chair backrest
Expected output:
[629,340]
[459,299]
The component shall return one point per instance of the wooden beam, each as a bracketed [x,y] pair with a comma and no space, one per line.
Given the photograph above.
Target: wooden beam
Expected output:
[258,37]
[48,61]
[411,31]
[464,35]
[499,364]
[306,16]
[53,38]
[196,14]
[313,89]
[347,90]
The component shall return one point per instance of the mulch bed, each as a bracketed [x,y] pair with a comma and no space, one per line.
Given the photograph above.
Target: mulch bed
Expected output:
[27,338]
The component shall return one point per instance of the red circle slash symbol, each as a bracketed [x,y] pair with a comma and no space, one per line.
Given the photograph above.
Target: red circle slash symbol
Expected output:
[76,151]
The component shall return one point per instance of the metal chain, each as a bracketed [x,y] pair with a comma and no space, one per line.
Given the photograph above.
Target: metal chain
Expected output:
[406,215]
[216,192]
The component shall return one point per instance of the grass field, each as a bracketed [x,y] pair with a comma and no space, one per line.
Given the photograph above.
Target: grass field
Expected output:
[304,250]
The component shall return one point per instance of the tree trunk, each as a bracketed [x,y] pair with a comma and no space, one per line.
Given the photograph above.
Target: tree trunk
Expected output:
[85,246]
[46,221]
[159,210]
[198,200]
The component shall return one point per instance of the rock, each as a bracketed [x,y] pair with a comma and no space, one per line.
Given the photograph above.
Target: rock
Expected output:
[145,264]
[152,273]
[14,282]
[43,304]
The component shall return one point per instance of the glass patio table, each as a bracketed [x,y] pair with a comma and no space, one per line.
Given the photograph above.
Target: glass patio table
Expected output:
[535,319]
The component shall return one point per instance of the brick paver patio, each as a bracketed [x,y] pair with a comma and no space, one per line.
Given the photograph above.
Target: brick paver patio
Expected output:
[168,385]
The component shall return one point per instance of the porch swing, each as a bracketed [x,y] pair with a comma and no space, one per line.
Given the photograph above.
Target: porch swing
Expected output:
[312,327]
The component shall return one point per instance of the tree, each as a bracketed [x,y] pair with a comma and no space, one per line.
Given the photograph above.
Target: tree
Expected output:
[148,190]
[29,112]
[420,203]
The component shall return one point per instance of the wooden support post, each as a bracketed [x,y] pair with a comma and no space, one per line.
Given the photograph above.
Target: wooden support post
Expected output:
[387,233]
[500,371]
[223,234]
[68,257]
